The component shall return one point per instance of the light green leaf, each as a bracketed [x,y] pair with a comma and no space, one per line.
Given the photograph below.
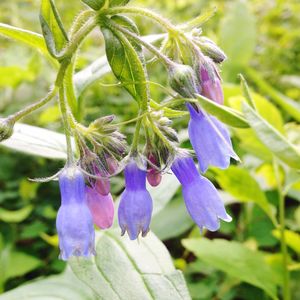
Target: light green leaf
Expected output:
[149,270]
[54,33]
[27,37]
[223,113]
[272,138]
[15,216]
[65,286]
[37,141]
[236,260]
[240,184]
[292,239]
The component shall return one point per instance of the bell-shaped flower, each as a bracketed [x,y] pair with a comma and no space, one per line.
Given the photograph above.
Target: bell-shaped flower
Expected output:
[101,207]
[135,206]
[210,140]
[74,221]
[201,197]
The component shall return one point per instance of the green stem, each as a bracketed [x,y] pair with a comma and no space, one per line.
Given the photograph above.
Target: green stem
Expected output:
[34,106]
[135,141]
[146,13]
[284,252]
[64,113]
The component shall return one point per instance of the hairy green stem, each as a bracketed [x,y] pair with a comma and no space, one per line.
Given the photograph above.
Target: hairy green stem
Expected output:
[284,252]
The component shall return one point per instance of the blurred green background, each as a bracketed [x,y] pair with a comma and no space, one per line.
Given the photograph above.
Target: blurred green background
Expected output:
[262,41]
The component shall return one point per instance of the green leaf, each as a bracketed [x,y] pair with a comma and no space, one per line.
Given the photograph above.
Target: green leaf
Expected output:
[54,33]
[240,184]
[272,138]
[64,286]
[236,260]
[15,216]
[37,141]
[292,239]
[27,37]
[223,113]
[125,63]
[94,4]
[237,38]
[149,270]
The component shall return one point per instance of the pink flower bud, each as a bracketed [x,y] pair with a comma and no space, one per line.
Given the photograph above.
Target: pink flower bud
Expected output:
[101,208]
[153,175]
[102,185]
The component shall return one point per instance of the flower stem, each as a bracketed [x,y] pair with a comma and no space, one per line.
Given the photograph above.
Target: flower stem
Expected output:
[284,252]
[34,106]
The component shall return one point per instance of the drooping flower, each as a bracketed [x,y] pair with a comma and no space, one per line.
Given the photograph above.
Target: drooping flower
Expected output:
[101,208]
[153,174]
[210,140]
[201,197]
[211,86]
[74,221]
[135,206]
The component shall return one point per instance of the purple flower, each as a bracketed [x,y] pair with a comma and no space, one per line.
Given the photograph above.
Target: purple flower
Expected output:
[101,208]
[210,140]
[74,221]
[211,85]
[135,207]
[153,174]
[201,197]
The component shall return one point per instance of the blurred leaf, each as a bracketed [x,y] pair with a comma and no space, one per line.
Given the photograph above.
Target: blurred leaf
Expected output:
[51,240]
[29,38]
[49,115]
[15,216]
[14,264]
[288,104]
[37,141]
[239,183]
[224,113]
[33,230]
[237,37]
[12,76]
[54,33]
[272,138]
[149,270]
[292,239]
[236,260]
[65,286]
[27,189]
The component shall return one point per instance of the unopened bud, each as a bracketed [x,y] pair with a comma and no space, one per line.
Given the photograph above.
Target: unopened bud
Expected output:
[182,79]
[210,49]
[153,174]
[6,128]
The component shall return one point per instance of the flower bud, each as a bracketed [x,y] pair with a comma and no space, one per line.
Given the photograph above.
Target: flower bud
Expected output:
[182,79]
[210,49]
[153,174]
[6,128]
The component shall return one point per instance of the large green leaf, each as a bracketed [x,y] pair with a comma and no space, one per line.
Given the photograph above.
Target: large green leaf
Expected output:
[239,183]
[125,62]
[15,216]
[124,269]
[236,260]
[272,138]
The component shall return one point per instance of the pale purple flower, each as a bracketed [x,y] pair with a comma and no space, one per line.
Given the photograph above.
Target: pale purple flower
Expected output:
[135,206]
[210,140]
[101,208]
[74,221]
[200,196]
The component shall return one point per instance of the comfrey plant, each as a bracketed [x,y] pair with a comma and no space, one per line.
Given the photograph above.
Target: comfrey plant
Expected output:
[102,151]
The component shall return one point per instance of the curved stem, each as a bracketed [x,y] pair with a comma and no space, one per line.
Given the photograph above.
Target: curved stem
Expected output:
[147,13]
[284,252]
[34,106]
